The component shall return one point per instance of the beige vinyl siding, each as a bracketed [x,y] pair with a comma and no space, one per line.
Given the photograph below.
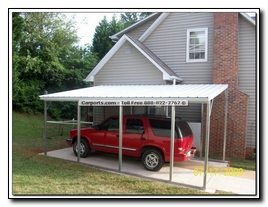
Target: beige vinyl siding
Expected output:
[103,112]
[124,69]
[191,113]
[168,42]
[98,114]
[128,68]
[247,74]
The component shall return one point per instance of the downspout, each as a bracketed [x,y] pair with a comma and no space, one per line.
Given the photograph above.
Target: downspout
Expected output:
[175,78]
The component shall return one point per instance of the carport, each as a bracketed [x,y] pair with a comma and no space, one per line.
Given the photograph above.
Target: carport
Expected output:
[144,95]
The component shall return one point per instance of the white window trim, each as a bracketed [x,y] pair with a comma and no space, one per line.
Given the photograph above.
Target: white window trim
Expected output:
[206,45]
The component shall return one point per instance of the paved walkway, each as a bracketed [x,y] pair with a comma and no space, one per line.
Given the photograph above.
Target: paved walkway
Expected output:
[189,174]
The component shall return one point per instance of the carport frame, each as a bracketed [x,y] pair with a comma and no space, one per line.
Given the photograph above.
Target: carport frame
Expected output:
[206,99]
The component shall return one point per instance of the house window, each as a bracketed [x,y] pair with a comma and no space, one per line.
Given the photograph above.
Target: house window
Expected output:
[197,41]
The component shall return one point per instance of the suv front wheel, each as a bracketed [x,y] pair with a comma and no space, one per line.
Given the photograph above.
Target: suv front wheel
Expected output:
[84,148]
[152,160]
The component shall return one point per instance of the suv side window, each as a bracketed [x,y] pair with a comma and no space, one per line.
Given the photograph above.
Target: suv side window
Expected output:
[161,128]
[134,126]
[111,124]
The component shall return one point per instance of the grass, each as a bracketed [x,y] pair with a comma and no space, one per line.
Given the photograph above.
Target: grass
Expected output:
[241,163]
[33,174]
[246,164]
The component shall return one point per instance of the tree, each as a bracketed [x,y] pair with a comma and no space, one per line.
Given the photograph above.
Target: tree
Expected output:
[18,25]
[45,57]
[144,15]
[47,36]
[115,26]
[101,43]
[79,61]
[129,18]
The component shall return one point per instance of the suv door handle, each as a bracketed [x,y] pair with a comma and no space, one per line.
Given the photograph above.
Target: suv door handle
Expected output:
[142,138]
[117,135]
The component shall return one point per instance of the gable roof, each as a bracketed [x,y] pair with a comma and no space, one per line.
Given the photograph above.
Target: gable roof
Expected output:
[168,74]
[115,37]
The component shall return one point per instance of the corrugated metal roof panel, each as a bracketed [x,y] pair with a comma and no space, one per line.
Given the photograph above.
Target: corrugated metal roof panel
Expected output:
[192,93]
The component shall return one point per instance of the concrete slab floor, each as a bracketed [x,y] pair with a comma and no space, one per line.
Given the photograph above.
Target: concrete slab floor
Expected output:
[187,174]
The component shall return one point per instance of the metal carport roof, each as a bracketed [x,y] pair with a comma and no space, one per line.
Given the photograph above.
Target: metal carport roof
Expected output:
[193,93]
[198,93]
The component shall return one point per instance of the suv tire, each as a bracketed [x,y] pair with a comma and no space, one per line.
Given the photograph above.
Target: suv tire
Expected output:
[152,160]
[84,148]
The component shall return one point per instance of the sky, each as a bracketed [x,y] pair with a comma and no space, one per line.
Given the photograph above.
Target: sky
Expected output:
[87,22]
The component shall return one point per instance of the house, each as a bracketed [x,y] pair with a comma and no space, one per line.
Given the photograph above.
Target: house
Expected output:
[190,48]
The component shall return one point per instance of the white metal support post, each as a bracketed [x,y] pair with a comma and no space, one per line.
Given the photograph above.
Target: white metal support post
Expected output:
[209,107]
[120,135]
[46,106]
[202,124]
[78,131]
[172,142]
[225,123]
[45,128]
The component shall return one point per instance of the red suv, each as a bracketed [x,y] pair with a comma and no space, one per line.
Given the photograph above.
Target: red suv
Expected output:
[145,137]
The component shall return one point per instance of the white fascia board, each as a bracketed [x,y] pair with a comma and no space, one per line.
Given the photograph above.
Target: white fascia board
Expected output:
[248,18]
[76,99]
[196,93]
[91,76]
[166,76]
[153,27]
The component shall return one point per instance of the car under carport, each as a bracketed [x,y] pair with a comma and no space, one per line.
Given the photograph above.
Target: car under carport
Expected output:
[121,94]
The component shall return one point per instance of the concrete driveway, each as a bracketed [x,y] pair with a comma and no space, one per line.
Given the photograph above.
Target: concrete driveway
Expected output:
[187,174]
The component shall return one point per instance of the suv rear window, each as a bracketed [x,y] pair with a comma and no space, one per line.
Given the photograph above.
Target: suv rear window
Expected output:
[185,128]
[161,128]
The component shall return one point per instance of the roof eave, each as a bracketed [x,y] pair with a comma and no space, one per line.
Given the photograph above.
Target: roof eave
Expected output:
[115,37]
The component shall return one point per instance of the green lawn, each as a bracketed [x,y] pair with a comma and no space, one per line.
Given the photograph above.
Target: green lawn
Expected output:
[33,174]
